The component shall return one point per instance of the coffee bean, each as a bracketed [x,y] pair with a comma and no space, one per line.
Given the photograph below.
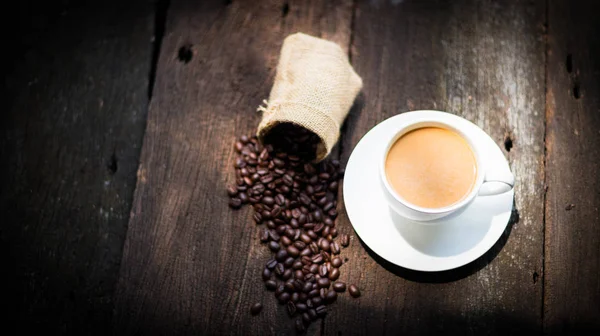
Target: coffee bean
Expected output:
[323,293]
[309,277]
[336,262]
[285,241]
[266,274]
[291,307]
[256,308]
[354,291]
[326,256]
[281,229]
[292,251]
[287,274]
[305,238]
[294,223]
[306,252]
[334,274]
[339,286]
[274,246]
[271,285]
[297,234]
[289,285]
[299,326]
[279,269]
[313,293]
[326,231]
[300,245]
[323,283]
[231,191]
[317,215]
[266,214]
[257,217]
[328,206]
[284,297]
[271,264]
[317,259]
[309,302]
[332,213]
[333,186]
[312,235]
[276,212]
[328,221]
[322,201]
[307,288]
[319,227]
[289,262]
[274,235]
[314,268]
[298,283]
[323,270]
[301,307]
[264,235]
[335,248]
[306,260]
[302,220]
[235,203]
[297,265]
[324,244]
[306,317]
[281,255]
[331,296]
[298,274]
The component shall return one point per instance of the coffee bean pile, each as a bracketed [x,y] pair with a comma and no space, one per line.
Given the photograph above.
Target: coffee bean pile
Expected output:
[296,201]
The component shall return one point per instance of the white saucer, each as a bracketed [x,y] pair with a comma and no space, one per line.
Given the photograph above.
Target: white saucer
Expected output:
[458,239]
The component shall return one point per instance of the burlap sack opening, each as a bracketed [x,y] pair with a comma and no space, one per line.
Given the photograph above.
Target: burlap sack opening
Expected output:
[314,88]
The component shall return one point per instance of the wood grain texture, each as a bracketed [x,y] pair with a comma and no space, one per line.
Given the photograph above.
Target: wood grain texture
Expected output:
[483,61]
[190,264]
[572,266]
[74,109]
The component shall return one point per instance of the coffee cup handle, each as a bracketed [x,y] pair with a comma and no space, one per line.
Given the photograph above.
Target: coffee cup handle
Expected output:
[497,182]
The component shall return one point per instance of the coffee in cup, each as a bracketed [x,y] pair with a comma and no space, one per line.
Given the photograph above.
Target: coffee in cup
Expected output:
[431,167]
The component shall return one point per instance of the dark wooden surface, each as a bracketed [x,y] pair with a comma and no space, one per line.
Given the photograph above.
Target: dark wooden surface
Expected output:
[74,108]
[98,238]
[572,245]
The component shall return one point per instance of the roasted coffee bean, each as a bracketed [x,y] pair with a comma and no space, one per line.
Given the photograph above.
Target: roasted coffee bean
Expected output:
[307,288]
[297,265]
[336,262]
[266,274]
[257,217]
[231,191]
[248,181]
[323,283]
[332,213]
[266,214]
[329,238]
[279,269]
[328,221]
[313,293]
[306,269]
[305,238]
[316,301]
[326,231]
[333,186]
[302,219]
[298,274]
[287,180]
[309,302]
[328,206]
[280,199]
[276,211]
[324,244]
[306,317]
[289,285]
[322,201]
[326,256]
[287,274]
[313,314]
[354,291]
[256,308]
[331,296]
[280,289]
[304,199]
[299,326]
[284,297]
[319,227]
[334,274]
[271,285]
[306,260]
[312,235]
[317,259]
[297,234]
[281,255]
[306,252]
[314,248]
[314,268]
[308,226]
[321,310]
[274,246]
[285,241]
[271,264]
[235,203]
[289,262]
[294,223]
[301,307]
[291,307]
[274,235]
[335,248]
[292,251]
[323,270]
[323,293]
[339,286]
[281,229]
[300,245]
[264,235]
[309,277]
[290,233]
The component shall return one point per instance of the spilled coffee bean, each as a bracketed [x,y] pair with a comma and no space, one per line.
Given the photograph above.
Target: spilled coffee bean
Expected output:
[294,200]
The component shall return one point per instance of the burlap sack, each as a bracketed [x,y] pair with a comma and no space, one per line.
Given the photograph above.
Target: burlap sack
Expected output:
[314,87]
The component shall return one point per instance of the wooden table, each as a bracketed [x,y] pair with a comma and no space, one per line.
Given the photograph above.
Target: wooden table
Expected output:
[116,147]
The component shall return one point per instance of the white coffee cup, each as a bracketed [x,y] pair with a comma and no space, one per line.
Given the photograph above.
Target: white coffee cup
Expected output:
[489,180]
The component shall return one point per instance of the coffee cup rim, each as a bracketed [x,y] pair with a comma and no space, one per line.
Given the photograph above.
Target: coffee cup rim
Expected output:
[432,122]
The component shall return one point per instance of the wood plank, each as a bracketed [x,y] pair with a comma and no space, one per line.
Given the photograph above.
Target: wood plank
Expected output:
[572,264]
[74,110]
[190,264]
[483,61]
